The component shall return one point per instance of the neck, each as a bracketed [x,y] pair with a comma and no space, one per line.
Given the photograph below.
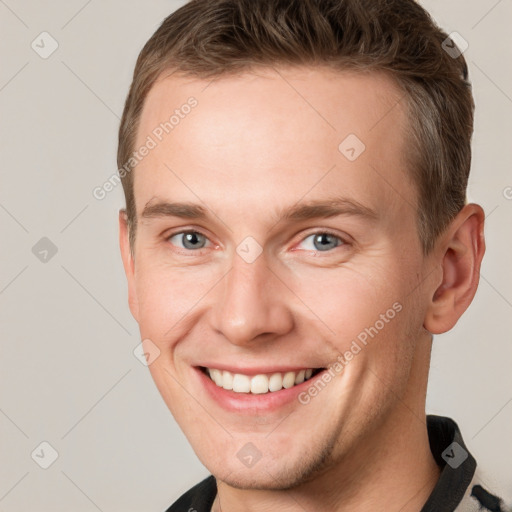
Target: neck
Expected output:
[391,469]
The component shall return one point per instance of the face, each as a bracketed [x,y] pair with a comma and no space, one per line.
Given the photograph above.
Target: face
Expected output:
[276,237]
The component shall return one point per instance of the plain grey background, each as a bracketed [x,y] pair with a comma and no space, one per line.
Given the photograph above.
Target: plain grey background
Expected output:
[68,373]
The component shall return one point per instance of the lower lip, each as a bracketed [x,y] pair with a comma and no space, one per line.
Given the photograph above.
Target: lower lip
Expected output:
[250,402]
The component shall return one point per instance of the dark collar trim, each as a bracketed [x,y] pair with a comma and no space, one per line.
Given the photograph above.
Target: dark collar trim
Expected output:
[453,481]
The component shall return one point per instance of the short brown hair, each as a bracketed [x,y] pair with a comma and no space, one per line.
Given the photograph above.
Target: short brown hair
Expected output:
[211,38]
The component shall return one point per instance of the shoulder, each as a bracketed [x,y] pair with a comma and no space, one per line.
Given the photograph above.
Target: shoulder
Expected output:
[197,499]
[460,486]
[480,496]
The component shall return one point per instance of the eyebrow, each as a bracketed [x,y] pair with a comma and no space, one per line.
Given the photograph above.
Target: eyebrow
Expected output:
[314,209]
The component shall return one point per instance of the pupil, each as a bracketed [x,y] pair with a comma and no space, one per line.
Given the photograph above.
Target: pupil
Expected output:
[322,243]
[191,238]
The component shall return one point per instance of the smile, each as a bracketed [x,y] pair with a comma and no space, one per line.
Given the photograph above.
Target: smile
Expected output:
[261,383]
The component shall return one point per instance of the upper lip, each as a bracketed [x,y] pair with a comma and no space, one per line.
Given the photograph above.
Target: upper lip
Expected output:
[257,370]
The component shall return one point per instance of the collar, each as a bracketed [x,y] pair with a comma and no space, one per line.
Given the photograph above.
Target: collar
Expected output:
[457,465]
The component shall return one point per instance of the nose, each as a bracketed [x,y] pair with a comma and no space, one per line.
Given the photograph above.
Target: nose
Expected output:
[253,304]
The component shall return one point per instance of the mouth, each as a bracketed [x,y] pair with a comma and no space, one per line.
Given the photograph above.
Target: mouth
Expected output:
[259,384]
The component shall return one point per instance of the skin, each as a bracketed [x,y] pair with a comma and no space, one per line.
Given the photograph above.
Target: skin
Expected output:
[256,144]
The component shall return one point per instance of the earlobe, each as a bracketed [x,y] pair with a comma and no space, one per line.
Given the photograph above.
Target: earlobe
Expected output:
[128,263]
[463,248]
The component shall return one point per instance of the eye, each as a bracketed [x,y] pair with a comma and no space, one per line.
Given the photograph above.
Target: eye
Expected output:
[322,241]
[190,240]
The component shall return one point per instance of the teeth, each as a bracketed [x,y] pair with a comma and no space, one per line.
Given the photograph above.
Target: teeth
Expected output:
[288,380]
[299,378]
[258,384]
[216,376]
[227,380]
[275,383]
[241,383]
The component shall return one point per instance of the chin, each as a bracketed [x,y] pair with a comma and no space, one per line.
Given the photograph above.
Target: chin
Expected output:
[260,480]
[278,474]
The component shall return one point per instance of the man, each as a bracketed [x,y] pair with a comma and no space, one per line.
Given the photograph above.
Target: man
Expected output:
[296,231]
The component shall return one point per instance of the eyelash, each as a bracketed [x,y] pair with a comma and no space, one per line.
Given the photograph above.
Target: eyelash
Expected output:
[343,241]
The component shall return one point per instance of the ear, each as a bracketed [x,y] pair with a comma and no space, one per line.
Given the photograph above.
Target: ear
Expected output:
[461,250]
[128,263]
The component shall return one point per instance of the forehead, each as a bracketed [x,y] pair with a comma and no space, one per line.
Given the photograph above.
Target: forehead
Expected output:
[275,135]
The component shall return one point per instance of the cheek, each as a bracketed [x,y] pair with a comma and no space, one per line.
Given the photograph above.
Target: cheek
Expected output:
[346,300]
[168,296]
[366,313]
